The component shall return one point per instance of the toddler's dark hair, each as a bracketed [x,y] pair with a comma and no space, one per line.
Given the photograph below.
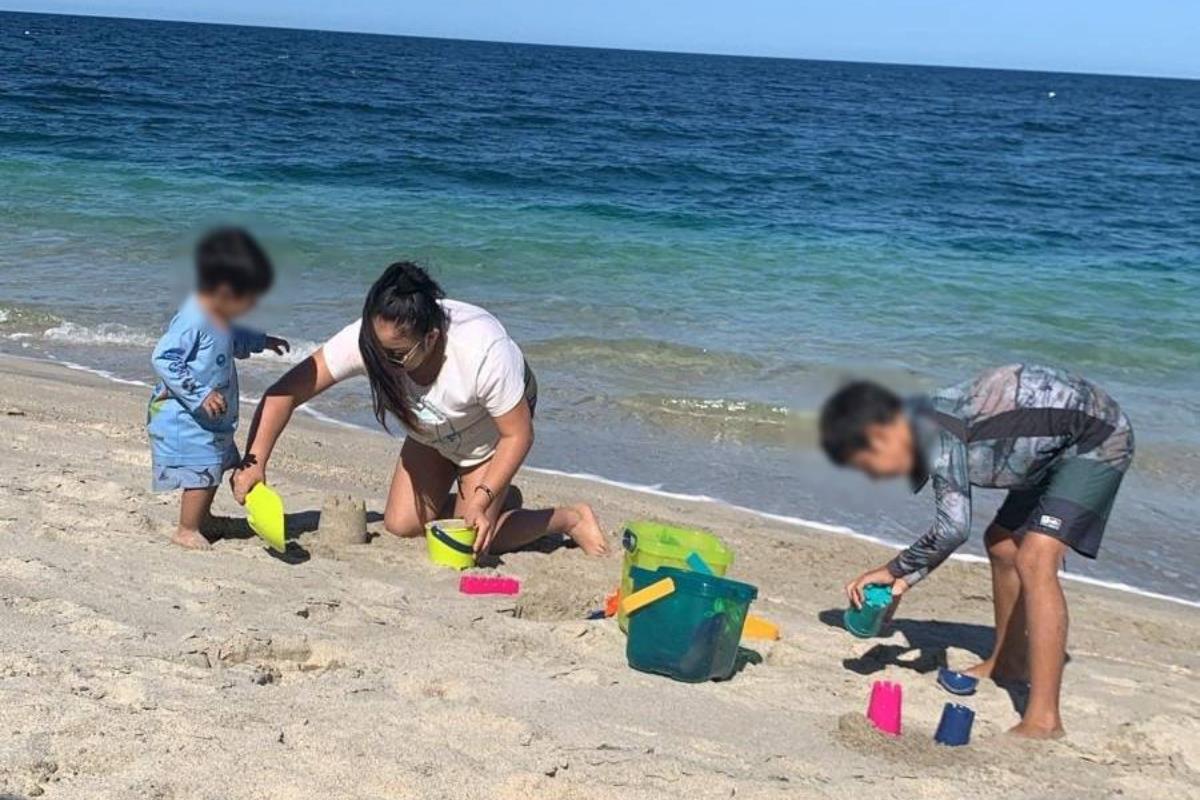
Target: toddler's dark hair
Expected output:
[848,413]
[230,257]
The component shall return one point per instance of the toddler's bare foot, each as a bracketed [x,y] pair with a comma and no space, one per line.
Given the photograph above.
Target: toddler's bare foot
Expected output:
[586,531]
[1031,730]
[191,539]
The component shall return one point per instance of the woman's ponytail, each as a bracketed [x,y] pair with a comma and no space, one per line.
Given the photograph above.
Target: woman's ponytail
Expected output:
[406,297]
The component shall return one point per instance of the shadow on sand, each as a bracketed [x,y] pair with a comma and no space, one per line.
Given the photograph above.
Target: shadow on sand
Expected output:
[925,651]
[295,525]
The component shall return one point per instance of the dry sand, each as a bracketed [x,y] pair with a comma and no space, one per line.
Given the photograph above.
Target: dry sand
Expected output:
[134,669]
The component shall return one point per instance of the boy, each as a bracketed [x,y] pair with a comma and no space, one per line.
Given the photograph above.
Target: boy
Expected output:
[1058,443]
[193,411]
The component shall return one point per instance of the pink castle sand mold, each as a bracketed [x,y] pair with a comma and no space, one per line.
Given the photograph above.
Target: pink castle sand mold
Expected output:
[884,708]
[482,584]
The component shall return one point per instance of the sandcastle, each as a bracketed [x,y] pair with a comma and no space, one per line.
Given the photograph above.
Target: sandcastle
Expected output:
[343,521]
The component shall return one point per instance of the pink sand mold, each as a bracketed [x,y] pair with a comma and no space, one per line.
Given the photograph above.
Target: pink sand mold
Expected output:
[884,708]
[483,584]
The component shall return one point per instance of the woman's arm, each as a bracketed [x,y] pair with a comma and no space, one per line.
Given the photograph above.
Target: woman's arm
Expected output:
[302,383]
[516,437]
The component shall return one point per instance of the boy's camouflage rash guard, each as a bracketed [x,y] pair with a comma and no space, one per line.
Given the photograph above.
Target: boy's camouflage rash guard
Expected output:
[1007,428]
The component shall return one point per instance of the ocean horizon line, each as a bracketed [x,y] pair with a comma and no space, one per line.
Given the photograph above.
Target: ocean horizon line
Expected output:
[613,49]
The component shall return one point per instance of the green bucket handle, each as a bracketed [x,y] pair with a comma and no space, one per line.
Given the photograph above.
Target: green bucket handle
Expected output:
[450,541]
[629,540]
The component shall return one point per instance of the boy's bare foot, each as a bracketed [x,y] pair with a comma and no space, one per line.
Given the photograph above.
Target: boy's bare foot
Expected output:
[586,531]
[1005,674]
[1030,730]
[191,539]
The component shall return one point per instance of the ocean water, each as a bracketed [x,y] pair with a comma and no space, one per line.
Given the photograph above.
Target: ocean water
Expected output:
[692,250]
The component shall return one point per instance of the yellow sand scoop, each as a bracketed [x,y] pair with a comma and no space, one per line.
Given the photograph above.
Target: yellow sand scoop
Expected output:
[264,512]
[759,628]
[644,597]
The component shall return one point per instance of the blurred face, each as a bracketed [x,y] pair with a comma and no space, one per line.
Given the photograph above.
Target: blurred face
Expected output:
[229,304]
[403,348]
[889,451]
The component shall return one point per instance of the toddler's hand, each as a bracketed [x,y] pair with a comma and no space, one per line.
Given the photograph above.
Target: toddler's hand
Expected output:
[280,346]
[214,405]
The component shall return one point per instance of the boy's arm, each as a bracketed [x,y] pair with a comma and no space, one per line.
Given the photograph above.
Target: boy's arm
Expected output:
[247,342]
[952,524]
[171,362]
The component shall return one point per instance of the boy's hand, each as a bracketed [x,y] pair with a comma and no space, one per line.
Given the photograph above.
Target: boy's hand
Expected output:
[214,405]
[280,346]
[245,478]
[882,576]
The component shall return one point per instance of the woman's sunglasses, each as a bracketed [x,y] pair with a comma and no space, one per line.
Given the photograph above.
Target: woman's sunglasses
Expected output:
[401,359]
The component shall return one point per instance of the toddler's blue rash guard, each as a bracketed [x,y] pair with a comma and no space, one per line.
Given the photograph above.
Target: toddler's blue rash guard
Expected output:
[194,358]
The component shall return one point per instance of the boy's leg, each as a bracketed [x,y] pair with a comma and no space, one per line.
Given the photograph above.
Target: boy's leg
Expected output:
[193,513]
[1038,560]
[1008,658]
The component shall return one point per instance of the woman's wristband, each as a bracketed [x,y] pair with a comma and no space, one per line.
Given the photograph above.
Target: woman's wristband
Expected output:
[491,496]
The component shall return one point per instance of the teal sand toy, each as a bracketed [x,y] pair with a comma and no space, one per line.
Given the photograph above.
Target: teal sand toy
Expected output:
[867,621]
[693,633]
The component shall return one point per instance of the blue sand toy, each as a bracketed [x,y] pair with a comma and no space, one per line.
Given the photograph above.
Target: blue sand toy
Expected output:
[957,683]
[954,730]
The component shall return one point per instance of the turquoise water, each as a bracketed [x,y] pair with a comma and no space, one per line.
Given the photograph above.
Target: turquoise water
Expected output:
[691,249]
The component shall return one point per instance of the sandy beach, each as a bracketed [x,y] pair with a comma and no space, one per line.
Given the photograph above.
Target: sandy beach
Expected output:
[134,669]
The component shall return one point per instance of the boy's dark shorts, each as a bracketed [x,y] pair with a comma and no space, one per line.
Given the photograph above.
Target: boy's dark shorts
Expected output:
[1073,501]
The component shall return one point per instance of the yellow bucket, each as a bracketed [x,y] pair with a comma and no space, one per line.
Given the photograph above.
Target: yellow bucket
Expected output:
[450,543]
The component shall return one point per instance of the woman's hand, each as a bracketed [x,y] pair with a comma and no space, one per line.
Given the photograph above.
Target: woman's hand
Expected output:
[476,516]
[246,477]
[882,576]
[302,382]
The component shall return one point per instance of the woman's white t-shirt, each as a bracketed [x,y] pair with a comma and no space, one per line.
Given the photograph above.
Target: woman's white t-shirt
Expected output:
[483,376]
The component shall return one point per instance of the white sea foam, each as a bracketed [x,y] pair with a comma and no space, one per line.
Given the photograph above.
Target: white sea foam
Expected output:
[107,333]
[102,373]
[312,412]
[300,350]
[658,491]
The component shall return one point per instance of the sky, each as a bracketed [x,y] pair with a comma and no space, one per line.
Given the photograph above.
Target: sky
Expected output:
[1142,37]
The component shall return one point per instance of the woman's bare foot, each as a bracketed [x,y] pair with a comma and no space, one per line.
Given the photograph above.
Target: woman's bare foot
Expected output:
[1030,730]
[191,539]
[586,531]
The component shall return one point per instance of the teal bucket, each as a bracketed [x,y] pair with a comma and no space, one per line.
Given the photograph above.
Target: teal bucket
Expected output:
[867,621]
[692,634]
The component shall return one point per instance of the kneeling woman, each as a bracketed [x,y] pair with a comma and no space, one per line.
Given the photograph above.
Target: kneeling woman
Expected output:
[458,384]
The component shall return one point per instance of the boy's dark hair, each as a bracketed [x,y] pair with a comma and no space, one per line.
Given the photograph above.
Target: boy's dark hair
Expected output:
[230,257]
[848,413]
